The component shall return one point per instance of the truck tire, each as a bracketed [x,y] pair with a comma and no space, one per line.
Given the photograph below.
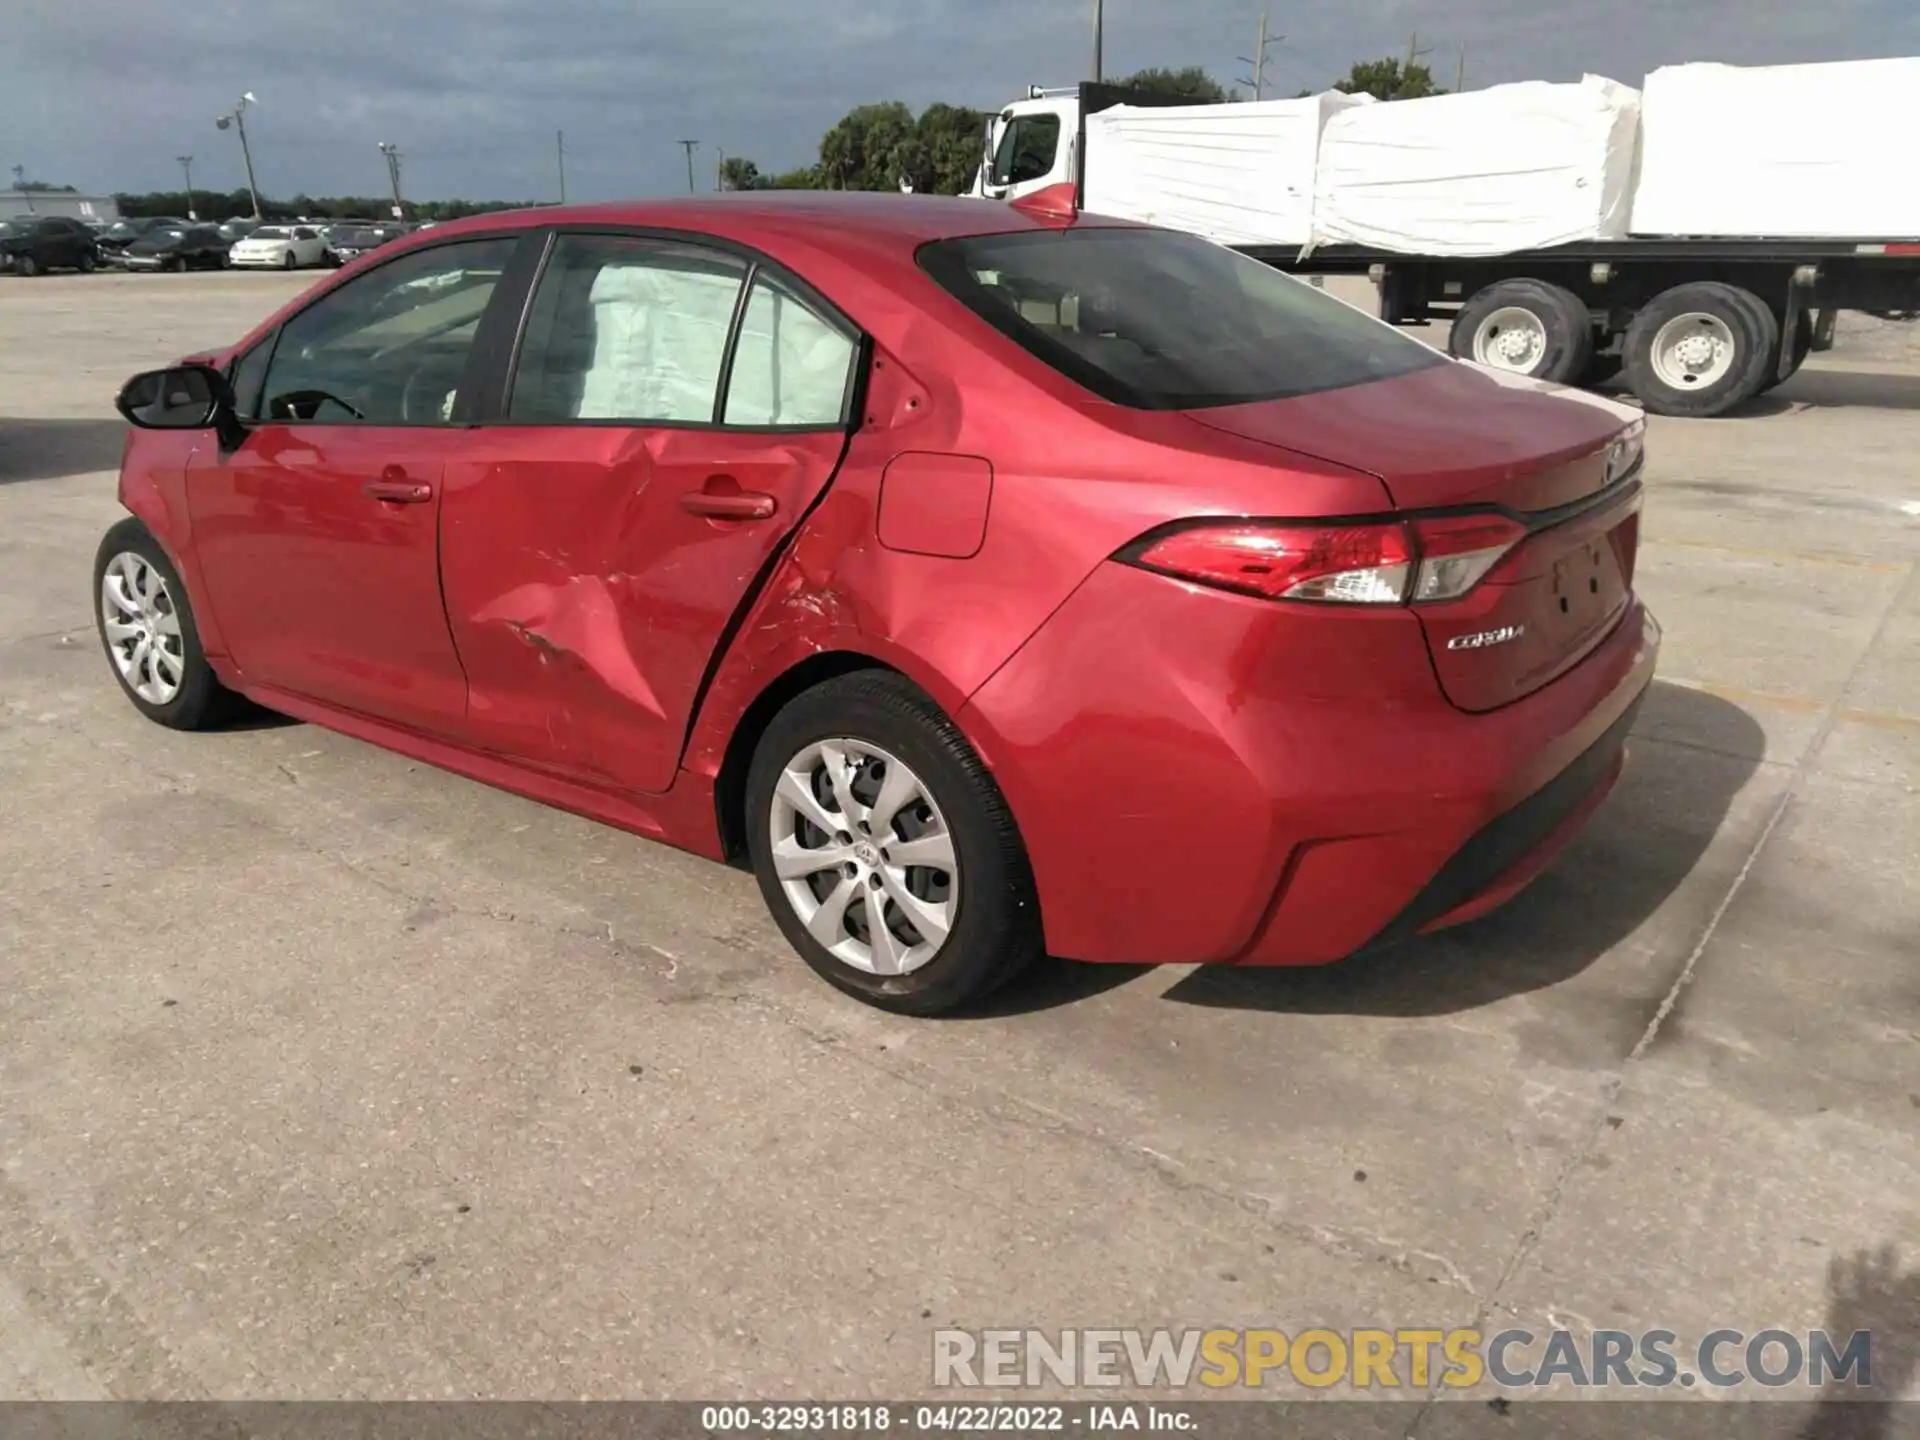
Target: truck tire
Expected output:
[1527,327]
[1699,349]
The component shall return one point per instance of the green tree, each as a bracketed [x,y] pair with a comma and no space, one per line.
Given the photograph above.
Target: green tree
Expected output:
[807,177]
[950,140]
[739,173]
[1192,83]
[864,151]
[1388,79]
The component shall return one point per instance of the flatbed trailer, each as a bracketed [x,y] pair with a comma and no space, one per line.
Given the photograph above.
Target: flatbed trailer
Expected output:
[1694,326]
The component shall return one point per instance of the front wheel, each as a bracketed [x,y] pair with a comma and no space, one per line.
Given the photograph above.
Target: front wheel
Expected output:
[28,265]
[1526,327]
[287,262]
[86,262]
[146,627]
[885,849]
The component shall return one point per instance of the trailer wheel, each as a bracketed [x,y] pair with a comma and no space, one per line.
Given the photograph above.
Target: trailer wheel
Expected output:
[1699,349]
[1527,327]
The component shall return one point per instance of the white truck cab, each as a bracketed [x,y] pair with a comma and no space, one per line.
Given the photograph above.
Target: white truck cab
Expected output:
[1031,144]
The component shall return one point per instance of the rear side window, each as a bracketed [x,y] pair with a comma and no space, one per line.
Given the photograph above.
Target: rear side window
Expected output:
[626,329]
[790,367]
[1157,320]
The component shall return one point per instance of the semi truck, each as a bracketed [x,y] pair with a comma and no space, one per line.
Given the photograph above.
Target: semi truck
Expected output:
[1690,325]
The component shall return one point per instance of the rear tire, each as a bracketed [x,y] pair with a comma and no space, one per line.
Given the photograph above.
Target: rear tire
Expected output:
[1527,327]
[1699,349]
[889,733]
[28,266]
[137,594]
[86,262]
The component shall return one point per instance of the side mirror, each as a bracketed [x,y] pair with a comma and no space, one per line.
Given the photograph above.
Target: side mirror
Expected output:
[185,397]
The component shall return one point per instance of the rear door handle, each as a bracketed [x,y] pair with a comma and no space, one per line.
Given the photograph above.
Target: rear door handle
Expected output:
[721,498]
[394,488]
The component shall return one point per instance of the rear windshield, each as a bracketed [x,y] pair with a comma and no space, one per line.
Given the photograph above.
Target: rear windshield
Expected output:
[1157,320]
[270,232]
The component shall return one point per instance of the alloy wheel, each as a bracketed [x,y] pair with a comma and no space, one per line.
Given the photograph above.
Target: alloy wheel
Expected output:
[142,628]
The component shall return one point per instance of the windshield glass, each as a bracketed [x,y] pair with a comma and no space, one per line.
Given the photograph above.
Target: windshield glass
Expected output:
[7,227]
[123,230]
[269,232]
[1163,321]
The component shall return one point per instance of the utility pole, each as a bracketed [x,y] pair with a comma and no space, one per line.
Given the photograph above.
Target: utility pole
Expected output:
[186,164]
[1460,80]
[1414,51]
[392,152]
[20,184]
[1256,63]
[1099,19]
[720,172]
[560,158]
[237,118]
[690,146]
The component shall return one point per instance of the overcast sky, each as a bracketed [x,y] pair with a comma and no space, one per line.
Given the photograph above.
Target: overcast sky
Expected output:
[103,94]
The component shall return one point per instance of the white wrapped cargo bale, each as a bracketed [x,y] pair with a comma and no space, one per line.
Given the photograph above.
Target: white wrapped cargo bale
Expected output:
[1487,172]
[1239,174]
[1786,151]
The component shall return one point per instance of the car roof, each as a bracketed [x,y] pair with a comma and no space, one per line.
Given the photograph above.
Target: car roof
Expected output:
[748,216]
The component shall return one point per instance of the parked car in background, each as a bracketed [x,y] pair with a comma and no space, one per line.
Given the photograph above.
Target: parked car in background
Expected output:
[280,247]
[351,244]
[983,579]
[31,244]
[336,232]
[237,229]
[113,242]
[178,247]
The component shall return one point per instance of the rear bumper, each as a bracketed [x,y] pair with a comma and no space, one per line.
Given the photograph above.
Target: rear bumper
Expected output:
[1205,779]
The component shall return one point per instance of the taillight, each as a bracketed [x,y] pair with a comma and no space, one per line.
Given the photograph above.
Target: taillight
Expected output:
[1457,550]
[1383,562]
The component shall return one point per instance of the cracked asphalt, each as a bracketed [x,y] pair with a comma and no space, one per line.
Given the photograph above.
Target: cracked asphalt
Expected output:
[329,1075]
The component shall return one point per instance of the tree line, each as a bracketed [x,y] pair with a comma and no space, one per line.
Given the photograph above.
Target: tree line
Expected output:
[873,147]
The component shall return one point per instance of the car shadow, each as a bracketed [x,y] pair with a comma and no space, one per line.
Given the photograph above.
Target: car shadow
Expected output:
[1870,1292]
[1642,844]
[52,449]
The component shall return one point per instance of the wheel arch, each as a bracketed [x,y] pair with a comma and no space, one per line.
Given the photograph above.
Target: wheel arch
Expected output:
[730,782]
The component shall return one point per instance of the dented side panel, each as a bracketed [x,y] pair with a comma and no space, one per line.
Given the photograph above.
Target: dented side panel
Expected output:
[586,600]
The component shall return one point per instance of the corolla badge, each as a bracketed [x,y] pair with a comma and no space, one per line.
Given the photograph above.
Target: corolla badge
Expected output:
[1484,638]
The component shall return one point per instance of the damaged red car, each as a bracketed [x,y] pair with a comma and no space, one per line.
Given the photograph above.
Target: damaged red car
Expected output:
[994,583]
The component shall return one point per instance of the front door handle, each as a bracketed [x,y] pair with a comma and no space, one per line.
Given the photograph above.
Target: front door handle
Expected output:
[721,498]
[394,488]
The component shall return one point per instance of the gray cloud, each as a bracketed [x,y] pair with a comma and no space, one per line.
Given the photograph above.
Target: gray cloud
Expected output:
[104,93]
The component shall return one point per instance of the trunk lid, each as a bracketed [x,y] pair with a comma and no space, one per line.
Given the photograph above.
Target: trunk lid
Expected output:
[1455,435]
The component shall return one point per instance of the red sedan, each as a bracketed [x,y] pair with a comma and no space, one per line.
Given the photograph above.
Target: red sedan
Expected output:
[996,583]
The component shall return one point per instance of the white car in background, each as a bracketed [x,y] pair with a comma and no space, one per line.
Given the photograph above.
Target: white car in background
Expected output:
[280,247]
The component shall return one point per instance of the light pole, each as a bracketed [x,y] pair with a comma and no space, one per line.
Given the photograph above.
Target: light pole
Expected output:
[690,144]
[392,152]
[238,120]
[186,165]
[1099,19]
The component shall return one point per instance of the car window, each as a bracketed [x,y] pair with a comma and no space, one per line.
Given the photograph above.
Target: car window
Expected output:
[390,347]
[1027,148]
[270,232]
[304,233]
[1159,320]
[790,366]
[626,329]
